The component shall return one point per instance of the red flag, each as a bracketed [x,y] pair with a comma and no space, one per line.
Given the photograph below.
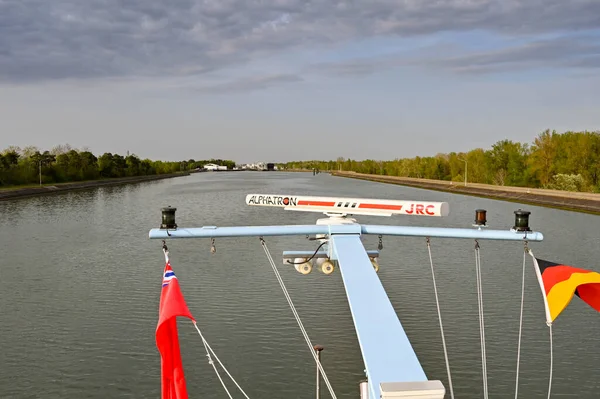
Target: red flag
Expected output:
[171,305]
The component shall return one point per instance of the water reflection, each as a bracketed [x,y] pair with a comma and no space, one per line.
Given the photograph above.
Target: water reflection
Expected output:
[83,293]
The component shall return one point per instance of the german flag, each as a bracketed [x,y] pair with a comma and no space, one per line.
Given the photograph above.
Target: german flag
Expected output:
[561,281]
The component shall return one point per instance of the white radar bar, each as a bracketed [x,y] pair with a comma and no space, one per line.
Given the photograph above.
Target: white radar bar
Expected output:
[351,206]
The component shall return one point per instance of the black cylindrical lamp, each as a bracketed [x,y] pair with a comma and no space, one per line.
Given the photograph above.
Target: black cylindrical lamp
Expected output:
[168,218]
[522,220]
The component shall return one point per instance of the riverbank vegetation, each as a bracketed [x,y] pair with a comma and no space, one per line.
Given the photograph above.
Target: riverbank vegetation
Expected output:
[563,161]
[63,164]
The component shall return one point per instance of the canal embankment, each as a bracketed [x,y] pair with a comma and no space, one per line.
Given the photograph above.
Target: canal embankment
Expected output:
[567,200]
[16,192]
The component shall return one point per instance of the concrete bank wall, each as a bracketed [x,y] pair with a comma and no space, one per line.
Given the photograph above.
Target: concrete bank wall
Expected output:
[581,202]
[33,191]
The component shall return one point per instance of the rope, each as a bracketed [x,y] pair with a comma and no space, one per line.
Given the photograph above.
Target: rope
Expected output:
[209,350]
[481,321]
[437,302]
[212,363]
[548,320]
[520,323]
[551,361]
[293,308]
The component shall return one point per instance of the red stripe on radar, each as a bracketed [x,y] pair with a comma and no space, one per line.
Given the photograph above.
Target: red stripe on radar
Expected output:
[381,206]
[315,203]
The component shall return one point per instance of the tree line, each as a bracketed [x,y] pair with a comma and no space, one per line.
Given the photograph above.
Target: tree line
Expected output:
[64,164]
[564,161]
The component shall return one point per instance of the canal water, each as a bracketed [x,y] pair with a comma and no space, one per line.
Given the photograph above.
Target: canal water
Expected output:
[81,282]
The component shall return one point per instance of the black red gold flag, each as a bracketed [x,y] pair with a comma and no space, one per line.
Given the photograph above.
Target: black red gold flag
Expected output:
[560,282]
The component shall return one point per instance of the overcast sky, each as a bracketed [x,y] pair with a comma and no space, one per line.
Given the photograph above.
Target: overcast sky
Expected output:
[279,80]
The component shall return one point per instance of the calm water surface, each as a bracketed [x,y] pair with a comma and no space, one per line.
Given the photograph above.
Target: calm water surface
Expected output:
[81,281]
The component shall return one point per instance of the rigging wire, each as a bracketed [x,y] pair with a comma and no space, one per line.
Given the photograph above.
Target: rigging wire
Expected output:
[208,349]
[520,322]
[551,362]
[481,320]
[548,322]
[211,362]
[297,316]
[437,302]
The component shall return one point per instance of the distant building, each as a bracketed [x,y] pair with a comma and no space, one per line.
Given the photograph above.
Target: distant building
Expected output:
[213,167]
[261,166]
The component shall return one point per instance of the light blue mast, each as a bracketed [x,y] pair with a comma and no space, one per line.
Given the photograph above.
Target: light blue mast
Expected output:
[391,365]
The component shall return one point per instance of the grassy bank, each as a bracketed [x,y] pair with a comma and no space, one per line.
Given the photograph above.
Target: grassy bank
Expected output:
[566,200]
[30,190]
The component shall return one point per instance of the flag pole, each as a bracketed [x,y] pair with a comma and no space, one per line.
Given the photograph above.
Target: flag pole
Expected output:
[536,268]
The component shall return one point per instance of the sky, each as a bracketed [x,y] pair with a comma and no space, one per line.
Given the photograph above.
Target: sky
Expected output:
[283,80]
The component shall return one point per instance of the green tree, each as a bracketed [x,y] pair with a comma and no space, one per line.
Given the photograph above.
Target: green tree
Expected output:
[570,160]
[65,164]
[543,154]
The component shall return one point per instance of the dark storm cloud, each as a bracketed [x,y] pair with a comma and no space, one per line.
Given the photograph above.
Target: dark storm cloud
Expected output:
[62,39]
